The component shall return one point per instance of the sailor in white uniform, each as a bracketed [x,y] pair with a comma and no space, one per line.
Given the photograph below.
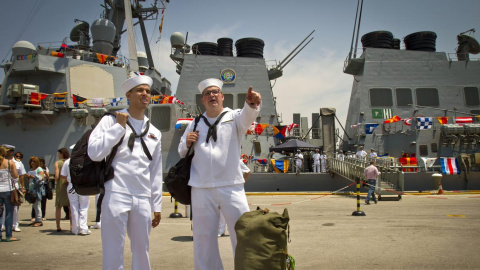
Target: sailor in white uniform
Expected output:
[323,161]
[372,154]
[361,154]
[215,176]
[298,161]
[316,161]
[78,203]
[136,188]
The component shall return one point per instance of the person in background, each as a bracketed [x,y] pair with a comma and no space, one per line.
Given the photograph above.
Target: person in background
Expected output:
[78,203]
[316,161]
[19,182]
[44,198]
[298,161]
[36,180]
[61,197]
[361,154]
[371,174]
[340,155]
[8,171]
[372,154]
[323,162]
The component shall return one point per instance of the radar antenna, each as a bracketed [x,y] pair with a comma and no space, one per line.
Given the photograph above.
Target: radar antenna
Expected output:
[467,45]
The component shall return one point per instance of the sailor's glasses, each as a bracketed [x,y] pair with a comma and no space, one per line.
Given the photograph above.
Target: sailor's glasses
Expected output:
[214,92]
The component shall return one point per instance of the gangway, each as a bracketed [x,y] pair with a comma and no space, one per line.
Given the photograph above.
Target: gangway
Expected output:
[391,179]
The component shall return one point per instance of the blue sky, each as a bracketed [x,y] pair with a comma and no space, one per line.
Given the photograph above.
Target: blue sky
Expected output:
[314,79]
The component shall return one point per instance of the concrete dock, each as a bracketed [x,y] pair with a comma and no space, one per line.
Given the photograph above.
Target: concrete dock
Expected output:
[421,231]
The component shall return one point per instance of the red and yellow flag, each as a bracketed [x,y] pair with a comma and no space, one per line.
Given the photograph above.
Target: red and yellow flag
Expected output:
[35,98]
[394,119]
[260,128]
[442,120]
[408,161]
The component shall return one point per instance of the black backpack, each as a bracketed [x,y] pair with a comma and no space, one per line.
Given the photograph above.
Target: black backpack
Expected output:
[88,176]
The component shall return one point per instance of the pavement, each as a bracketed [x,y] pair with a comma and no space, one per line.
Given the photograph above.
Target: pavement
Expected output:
[421,231]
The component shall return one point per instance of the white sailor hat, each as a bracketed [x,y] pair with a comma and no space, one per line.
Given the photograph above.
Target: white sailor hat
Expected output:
[209,82]
[372,149]
[8,147]
[135,79]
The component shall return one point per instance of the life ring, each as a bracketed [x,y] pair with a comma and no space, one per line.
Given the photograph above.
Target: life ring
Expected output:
[244,156]
[244,161]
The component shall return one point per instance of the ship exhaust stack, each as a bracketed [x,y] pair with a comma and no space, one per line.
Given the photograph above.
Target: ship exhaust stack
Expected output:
[466,45]
[103,34]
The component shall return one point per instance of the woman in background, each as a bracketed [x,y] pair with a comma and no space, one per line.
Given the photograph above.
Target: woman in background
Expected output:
[7,172]
[36,180]
[61,196]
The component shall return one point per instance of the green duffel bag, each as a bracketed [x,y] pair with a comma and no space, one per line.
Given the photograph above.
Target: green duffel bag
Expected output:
[262,238]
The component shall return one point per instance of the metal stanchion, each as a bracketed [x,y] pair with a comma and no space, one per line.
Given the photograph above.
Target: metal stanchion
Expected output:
[358,212]
[175,214]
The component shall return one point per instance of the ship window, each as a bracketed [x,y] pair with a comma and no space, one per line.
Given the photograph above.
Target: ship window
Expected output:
[404,97]
[381,97]
[198,100]
[471,96]
[228,101]
[427,97]
[241,100]
[160,117]
[423,150]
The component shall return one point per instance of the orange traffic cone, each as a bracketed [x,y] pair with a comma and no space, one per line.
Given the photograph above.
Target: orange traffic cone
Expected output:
[440,189]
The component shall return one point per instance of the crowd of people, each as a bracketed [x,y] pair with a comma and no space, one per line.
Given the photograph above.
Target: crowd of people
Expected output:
[37,187]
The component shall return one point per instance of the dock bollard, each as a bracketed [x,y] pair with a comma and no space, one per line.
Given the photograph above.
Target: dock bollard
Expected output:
[175,213]
[358,212]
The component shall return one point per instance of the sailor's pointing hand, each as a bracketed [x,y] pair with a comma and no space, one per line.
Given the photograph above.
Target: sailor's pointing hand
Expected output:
[253,98]
[122,118]
[192,137]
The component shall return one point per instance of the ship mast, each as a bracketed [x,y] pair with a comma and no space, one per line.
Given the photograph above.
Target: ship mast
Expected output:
[132,47]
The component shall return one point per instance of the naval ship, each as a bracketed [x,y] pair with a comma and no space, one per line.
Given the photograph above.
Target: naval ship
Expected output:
[51,95]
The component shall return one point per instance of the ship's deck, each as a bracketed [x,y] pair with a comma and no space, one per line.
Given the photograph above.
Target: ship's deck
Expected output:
[420,231]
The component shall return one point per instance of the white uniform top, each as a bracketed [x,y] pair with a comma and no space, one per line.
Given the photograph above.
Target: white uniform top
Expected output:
[341,157]
[298,159]
[20,170]
[372,154]
[216,164]
[316,158]
[323,157]
[244,167]
[361,154]
[65,171]
[134,173]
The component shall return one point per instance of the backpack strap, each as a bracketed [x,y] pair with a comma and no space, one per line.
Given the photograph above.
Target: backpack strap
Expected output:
[212,129]
[197,119]
[133,136]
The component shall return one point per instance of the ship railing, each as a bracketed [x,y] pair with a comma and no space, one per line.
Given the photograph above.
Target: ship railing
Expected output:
[351,168]
[462,57]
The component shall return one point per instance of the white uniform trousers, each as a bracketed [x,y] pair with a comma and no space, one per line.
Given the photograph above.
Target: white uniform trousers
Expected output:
[324,165]
[316,167]
[222,224]
[206,206]
[78,212]
[125,213]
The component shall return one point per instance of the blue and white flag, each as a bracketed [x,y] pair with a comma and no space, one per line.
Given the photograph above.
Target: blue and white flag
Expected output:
[370,127]
[449,165]
[115,101]
[424,122]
